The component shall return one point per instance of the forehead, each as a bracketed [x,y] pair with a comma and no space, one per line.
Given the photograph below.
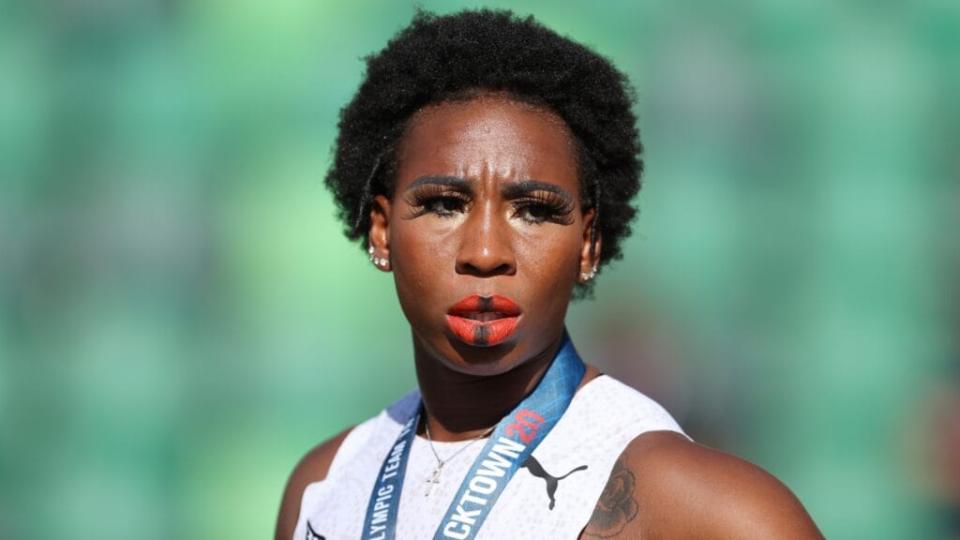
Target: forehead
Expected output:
[487,136]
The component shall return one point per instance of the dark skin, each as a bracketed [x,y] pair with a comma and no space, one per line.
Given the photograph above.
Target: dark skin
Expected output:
[486,202]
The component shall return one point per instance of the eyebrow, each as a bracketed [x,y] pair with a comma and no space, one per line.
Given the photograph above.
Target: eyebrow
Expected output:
[518,189]
[452,181]
[512,190]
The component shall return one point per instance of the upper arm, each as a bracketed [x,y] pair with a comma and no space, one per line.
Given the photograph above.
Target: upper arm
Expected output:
[312,467]
[664,485]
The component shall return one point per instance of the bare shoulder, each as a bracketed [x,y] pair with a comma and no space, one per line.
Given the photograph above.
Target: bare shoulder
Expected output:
[665,486]
[312,467]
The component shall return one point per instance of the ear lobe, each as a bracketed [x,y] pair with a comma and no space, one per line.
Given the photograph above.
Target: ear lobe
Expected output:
[378,236]
[590,247]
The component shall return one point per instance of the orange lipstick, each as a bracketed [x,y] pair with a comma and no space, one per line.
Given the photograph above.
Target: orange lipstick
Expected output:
[483,321]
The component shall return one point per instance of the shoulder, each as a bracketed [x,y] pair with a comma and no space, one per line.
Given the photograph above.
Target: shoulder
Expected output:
[328,456]
[313,467]
[664,485]
[612,404]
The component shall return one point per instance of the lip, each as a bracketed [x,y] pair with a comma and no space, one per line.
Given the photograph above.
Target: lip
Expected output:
[484,321]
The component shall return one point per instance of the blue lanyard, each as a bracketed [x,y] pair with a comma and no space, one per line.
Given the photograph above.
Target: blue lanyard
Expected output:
[510,444]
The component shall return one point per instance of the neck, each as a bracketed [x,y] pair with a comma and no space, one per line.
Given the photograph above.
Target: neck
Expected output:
[460,406]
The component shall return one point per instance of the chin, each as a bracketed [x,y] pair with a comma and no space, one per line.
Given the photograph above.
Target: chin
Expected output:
[483,360]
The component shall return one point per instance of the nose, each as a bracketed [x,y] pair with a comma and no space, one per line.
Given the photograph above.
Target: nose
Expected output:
[486,249]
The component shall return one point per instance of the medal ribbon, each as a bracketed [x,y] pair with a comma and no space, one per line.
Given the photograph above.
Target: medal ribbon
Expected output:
[511,443]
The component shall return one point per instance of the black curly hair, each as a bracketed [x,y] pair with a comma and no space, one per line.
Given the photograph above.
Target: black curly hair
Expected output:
[443,58]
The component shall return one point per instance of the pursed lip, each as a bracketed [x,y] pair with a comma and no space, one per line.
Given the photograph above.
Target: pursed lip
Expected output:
[483,320]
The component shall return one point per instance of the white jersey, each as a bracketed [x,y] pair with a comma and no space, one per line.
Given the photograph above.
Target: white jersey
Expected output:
[552,496]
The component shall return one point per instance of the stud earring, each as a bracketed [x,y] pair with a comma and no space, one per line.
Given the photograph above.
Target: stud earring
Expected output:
[587,276]
[379,262]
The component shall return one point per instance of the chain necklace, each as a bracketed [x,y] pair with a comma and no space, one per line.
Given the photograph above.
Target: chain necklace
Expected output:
[435,476]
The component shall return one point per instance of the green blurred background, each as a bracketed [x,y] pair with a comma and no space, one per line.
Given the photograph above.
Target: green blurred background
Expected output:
[181,319]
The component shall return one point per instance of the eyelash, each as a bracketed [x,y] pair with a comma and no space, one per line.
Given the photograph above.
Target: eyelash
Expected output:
[553,208]
[556,210]
[424,202]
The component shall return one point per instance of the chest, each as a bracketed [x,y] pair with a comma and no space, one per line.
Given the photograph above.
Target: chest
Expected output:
[552,495]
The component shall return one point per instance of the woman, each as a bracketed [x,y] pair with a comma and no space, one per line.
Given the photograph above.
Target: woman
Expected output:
[489,164]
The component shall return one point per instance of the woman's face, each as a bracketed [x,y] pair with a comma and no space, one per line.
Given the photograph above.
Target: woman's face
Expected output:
[484,233]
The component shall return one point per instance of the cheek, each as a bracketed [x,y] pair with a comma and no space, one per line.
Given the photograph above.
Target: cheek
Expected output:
[420,256]
[423,247]
[551,260]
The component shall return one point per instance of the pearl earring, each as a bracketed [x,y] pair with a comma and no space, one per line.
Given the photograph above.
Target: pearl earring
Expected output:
[587,276]
[380,262]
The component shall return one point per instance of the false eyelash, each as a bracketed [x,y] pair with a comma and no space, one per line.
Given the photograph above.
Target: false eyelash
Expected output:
[558,208]
[421,199]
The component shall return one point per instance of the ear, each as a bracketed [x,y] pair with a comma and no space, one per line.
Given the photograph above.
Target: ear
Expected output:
[378,238]
[590,247]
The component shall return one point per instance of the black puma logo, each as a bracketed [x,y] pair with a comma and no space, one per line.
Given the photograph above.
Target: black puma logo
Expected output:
[532,465]
[312,534]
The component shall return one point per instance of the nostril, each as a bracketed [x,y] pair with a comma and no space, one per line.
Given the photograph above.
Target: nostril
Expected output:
[485,270]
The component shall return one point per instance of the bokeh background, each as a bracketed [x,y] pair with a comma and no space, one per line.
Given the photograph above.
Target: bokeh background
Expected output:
[181,319]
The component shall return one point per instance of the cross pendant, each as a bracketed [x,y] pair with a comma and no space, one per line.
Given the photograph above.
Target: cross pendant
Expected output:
[434,479]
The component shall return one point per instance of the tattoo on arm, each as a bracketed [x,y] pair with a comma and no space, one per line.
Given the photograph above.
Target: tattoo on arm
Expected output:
[616,507]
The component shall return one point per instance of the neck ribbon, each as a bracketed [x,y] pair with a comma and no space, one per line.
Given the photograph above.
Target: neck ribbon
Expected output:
[511,443]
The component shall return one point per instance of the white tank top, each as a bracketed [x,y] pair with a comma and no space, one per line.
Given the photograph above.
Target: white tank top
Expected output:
[552,496]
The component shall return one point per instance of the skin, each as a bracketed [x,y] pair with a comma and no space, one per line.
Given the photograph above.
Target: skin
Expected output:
[465,219]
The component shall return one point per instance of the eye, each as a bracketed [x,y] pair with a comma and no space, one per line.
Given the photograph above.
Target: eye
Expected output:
[444,206]
[438,200]
[539,209]
[535,212]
